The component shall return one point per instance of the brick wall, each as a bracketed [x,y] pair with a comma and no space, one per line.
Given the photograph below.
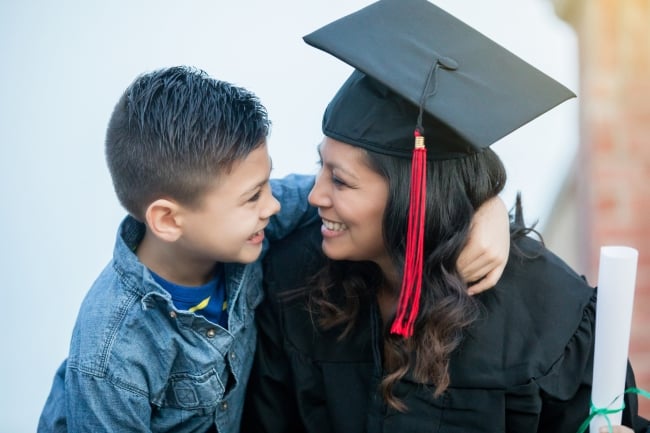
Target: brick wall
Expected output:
[613,176]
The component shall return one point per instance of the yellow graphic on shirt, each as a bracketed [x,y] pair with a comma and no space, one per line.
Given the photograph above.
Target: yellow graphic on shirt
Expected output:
[224,306]
[200,306]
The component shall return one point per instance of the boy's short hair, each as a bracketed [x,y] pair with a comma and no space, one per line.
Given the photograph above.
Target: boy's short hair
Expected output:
[174,130]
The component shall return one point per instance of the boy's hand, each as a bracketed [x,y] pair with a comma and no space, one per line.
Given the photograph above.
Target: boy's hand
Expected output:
[485,256]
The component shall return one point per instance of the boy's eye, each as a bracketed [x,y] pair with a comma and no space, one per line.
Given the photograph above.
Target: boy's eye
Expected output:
[256,196]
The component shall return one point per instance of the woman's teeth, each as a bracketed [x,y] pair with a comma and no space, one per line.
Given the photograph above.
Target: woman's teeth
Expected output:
[334,226]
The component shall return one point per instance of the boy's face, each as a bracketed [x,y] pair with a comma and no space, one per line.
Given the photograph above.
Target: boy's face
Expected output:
[229,224]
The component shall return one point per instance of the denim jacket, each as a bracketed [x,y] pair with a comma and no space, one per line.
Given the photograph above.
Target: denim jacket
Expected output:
[136,363]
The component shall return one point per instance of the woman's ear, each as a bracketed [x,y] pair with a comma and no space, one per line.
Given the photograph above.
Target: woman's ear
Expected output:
[162,218]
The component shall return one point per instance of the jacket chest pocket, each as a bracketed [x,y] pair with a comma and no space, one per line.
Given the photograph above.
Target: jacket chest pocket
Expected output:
[189,403]
[185,391]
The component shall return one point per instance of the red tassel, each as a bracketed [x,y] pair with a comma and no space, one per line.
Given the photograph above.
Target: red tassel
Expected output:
[409,298]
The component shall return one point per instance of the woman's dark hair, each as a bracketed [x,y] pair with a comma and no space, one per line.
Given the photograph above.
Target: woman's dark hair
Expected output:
[455,189]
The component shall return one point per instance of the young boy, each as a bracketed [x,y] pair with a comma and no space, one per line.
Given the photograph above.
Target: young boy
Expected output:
[165,337]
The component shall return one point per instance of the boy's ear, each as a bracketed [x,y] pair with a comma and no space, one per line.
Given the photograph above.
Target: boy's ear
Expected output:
[162,217]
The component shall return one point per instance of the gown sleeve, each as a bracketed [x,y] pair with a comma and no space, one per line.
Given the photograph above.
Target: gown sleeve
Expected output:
[566,388]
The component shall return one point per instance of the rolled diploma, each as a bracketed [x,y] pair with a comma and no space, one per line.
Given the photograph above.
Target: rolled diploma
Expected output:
[616,281]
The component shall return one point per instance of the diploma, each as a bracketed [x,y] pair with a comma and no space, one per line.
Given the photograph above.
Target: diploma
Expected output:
[616,281]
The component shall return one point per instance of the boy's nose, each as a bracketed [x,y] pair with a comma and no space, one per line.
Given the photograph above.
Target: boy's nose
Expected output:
[273,206]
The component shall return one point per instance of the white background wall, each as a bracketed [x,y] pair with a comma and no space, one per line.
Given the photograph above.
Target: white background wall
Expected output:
[65,63]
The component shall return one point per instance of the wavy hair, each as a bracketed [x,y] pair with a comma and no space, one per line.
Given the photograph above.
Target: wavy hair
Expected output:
[455,189]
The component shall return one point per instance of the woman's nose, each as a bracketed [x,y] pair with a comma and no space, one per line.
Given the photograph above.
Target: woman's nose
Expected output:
[318,196]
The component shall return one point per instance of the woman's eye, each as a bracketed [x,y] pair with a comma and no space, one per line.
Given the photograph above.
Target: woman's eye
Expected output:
[337,181]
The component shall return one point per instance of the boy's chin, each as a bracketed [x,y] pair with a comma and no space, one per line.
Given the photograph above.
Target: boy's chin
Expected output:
[250,254]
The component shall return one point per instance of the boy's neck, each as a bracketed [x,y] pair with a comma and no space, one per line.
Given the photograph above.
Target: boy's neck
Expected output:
[164,259]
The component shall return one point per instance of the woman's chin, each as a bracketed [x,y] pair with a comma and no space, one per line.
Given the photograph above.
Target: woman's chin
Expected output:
[332,252]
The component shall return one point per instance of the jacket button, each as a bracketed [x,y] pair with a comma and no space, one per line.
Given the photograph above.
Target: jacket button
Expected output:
[172,314]
[224,406]
[211,333]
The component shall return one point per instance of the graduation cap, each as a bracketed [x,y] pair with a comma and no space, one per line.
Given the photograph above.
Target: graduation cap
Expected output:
[411,55]
[420,71]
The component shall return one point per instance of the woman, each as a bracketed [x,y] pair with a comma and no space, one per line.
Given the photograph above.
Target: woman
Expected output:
[378,334]
[323,369]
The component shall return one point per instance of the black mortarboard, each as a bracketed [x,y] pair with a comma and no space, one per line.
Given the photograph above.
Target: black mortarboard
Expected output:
[410,54]
[420,71]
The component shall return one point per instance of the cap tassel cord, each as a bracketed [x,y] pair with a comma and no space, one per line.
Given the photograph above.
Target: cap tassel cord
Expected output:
[409,299]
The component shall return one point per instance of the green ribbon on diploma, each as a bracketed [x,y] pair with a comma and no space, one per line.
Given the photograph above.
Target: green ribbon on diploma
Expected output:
[604,411]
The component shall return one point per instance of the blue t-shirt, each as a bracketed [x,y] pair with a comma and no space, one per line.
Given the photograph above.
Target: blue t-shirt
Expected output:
[207,300]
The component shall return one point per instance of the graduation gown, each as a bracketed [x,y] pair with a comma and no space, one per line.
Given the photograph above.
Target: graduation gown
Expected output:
[524,366]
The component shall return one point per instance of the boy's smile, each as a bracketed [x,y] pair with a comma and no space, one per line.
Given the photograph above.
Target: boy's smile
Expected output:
[257,237]
[229,224]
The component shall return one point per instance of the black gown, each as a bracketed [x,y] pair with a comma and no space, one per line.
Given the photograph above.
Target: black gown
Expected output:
[525,366]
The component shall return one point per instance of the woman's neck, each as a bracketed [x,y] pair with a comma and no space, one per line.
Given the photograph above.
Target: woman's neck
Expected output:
[388,293]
